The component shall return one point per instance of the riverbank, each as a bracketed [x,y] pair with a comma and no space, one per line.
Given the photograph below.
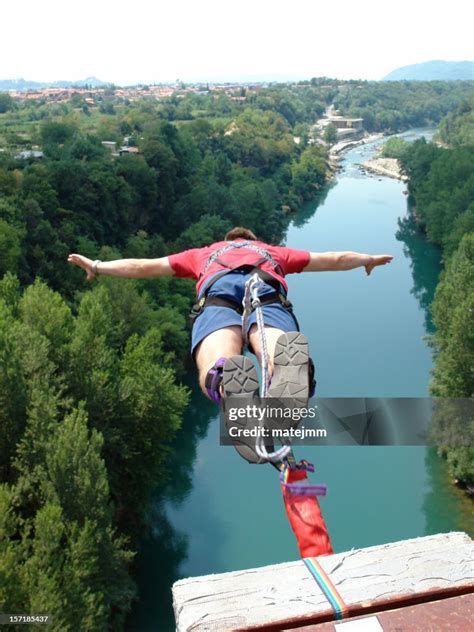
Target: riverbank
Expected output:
[389,167]
[339,149]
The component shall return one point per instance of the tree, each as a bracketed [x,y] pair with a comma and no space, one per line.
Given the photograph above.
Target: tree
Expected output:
[205,231]
[10,247]
[10,291]
[6,103]
[13,392]
[395,148]
[56,132]
[77,568]
[93,358]
[12,596]
[330,134]
[46,312]
[309,174]
[452,315]
[142,180]
[151,406]
[162,158]
[453,375]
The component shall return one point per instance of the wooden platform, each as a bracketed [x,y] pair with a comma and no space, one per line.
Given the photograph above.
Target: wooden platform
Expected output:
[371,580]
[455,614]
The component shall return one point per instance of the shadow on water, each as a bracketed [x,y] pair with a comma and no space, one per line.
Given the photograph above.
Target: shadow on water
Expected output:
[446,507]
[425,264]
[196,421]
[303,216]
[161,554]
[164,549]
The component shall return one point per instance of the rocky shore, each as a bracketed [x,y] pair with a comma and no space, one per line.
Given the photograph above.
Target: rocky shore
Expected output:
[389,167]
[336,152]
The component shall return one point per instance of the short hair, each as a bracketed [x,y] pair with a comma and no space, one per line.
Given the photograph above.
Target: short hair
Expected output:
[240,232]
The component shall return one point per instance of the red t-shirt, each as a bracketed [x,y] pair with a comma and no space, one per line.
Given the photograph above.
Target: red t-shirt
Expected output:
[190,264]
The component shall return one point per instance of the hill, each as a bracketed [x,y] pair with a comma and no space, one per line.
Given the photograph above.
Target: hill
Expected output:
[23,84]
[434,71]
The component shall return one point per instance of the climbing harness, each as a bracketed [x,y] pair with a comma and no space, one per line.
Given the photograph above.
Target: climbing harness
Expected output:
[232,245]
[220,301]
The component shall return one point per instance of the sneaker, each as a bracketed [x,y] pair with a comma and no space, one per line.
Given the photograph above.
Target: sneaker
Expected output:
[291,368]
[290,383]
[241,388]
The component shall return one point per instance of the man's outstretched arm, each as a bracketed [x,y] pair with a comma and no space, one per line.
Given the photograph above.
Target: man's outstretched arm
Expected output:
[336,261]
[126,268]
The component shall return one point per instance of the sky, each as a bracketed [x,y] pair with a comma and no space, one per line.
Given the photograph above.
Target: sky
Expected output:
[145,41]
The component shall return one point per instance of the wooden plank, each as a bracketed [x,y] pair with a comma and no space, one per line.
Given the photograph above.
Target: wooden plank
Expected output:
[286,595]
[447,615]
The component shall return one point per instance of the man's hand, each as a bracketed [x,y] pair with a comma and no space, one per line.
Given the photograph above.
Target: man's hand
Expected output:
[377,260]
[84,263]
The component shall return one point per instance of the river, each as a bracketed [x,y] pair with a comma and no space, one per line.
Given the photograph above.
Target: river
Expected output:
[367,336]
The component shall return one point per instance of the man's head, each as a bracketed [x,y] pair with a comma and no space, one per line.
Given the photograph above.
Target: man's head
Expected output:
[239,232]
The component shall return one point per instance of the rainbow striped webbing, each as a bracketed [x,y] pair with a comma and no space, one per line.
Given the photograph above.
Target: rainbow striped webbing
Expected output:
[330,591]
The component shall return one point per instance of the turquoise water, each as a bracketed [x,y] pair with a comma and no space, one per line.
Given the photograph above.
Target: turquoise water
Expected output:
[367,337]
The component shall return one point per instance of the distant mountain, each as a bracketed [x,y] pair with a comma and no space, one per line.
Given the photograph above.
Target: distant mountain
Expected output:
[22,85]
[93,82]
[19,84]
[434,71]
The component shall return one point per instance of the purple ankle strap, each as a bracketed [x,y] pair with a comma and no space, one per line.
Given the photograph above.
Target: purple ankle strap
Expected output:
[214,379]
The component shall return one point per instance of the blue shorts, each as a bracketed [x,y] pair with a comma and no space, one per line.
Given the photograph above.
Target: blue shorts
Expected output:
[232,286]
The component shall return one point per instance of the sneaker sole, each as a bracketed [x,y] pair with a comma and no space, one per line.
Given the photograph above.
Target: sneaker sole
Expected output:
[240,382]
[290,383]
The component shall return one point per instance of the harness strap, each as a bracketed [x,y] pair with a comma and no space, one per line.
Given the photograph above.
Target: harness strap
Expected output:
[247,268]
[222,263]
[232,245]
[213,380]
[300,489]
[219,301]
[337,603]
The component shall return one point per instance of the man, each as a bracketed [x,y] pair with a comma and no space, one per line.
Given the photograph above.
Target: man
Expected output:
[221,271]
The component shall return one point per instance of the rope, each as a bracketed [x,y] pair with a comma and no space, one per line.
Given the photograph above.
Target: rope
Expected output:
[284,455]
[251,302]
